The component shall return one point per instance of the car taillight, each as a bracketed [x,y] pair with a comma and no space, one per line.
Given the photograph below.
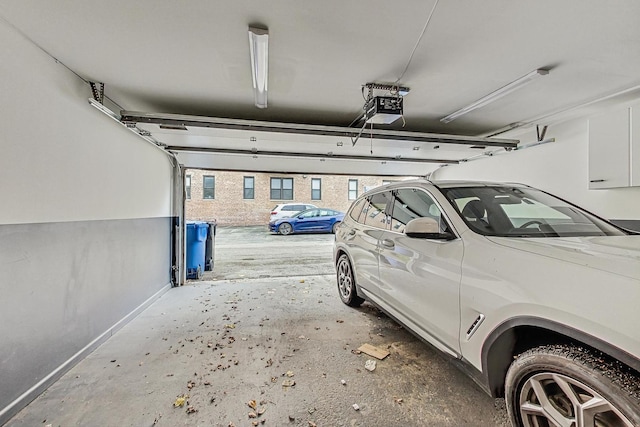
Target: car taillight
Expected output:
[273,213]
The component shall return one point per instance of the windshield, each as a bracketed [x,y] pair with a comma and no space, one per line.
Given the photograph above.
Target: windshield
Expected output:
[523,212]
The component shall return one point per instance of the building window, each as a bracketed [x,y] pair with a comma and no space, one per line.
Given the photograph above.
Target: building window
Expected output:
[209,187]
[282,188]
[187,186]
[316,189]
[249,183]
[353,189]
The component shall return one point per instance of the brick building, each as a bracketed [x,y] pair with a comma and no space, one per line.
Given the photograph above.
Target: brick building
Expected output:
[246,198]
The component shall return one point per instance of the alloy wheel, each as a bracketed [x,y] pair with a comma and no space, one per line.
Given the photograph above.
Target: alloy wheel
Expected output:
[345,279]
[285,228]
[550,399]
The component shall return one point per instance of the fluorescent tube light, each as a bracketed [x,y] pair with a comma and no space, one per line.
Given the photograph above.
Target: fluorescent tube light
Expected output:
[259,48]
[493,96]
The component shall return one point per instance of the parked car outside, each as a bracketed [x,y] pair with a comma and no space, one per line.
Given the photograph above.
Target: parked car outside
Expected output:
[319,220]
[288,209]
[534,297]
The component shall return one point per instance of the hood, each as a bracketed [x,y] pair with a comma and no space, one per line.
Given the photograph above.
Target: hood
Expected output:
[615,254]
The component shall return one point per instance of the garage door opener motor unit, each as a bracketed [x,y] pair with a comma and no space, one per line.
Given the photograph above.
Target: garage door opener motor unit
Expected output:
[384,109]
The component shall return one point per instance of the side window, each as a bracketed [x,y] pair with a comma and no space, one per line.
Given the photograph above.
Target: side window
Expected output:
[376,215]
[410,203]
[309,214]
[355,211]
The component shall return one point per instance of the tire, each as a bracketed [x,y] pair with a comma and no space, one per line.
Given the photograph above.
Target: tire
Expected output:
[558,381]
[335,227]
[347,283]
[285,228]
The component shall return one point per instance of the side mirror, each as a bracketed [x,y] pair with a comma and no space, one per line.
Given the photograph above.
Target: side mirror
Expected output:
[426,228]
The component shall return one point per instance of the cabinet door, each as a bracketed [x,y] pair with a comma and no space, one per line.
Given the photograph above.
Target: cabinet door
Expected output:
[609,145]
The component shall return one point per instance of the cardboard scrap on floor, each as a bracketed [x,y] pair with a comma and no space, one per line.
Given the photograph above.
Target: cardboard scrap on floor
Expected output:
[373,351]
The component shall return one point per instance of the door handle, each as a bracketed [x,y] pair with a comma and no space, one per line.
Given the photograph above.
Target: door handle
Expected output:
[388,243]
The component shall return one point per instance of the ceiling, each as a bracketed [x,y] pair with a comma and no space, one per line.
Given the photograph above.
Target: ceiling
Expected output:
[191,58]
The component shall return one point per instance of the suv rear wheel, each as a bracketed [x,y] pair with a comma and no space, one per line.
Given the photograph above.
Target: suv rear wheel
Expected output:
[347,283]
[565,385]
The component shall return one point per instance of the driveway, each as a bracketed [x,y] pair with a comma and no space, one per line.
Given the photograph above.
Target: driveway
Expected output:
[264,341]
[254,252]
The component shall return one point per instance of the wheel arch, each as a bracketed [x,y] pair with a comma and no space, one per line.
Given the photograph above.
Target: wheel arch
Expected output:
[339,252]
[516,335]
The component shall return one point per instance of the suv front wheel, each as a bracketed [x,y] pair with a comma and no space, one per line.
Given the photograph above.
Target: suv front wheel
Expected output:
[565,385]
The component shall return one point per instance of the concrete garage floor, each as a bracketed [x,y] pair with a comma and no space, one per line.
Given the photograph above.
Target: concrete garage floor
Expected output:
[249,332]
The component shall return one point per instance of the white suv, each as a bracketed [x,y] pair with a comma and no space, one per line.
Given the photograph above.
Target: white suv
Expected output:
[288,209]
[534,297]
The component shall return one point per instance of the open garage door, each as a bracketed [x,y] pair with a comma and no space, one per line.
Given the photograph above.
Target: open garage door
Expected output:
[229,144]
[243,145]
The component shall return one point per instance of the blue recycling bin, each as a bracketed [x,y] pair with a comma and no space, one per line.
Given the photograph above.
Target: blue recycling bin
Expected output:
[196,239]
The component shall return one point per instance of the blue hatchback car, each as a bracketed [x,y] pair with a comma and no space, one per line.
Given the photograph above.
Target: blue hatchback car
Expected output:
[317,220]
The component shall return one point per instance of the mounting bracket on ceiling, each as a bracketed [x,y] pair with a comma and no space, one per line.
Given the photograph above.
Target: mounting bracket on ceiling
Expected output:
[98,94]
[542,133]
[390,87]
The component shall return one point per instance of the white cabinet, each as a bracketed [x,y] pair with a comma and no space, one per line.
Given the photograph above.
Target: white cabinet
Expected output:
[614,149]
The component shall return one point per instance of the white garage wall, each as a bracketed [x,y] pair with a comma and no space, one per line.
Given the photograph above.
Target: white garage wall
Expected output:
[559,167]
[85,222]
[58,151]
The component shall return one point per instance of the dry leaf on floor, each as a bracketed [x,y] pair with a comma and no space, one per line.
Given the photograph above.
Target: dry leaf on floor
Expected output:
[180,401]
[252,404]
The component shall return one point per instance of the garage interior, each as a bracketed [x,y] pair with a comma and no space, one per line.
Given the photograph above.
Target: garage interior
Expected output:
[105,105]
